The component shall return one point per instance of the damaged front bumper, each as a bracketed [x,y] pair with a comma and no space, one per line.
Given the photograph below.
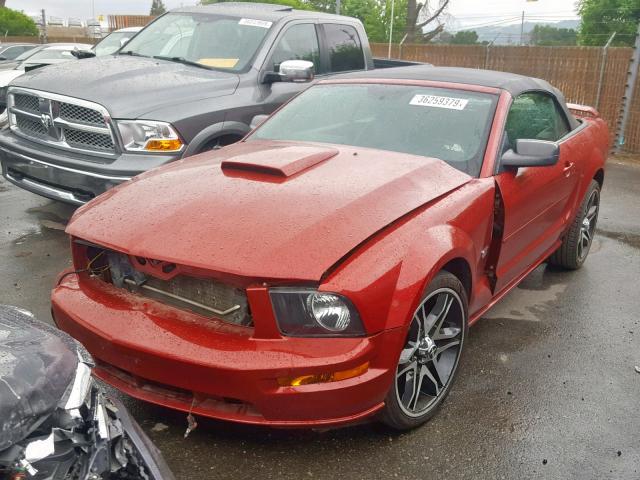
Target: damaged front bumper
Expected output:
[184,361]
[99,439]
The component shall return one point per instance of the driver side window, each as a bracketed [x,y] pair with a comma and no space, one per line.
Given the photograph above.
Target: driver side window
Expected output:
[299,42]
[535,116]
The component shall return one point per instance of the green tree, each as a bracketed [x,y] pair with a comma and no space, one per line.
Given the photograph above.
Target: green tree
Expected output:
[13,22]
[465,37]
[547,35]
[157,8]
[600,18]
[298,4]
[376,17]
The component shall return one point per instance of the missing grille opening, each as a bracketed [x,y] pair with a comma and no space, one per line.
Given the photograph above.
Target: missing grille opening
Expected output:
[204,296]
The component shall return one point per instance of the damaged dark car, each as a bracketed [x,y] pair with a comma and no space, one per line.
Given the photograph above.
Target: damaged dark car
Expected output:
[55,421]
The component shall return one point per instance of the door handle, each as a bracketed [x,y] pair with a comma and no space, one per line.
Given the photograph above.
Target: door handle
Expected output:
[568,166]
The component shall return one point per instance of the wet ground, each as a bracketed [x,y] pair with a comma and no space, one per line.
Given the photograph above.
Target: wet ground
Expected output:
[547,388]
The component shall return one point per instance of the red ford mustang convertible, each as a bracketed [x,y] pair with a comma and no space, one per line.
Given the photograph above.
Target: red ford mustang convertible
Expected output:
[326,268]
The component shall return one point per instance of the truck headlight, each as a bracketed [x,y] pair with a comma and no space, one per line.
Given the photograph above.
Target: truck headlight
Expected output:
[302,312]
[149,136]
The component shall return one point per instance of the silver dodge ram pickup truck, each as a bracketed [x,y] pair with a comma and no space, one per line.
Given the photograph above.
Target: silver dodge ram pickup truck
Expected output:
[190,81]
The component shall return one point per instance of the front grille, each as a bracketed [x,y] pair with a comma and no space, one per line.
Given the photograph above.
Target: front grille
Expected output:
[31,127]
[28,103]
[88,140]
[205,296]
[62,122]
[208,292]
[76,113]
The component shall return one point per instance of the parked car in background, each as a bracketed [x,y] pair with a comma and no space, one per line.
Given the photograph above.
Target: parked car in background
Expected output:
[55,421]
[326,268]
[190,81]
[115,41]
[9,51]
[74,22]
[48,54]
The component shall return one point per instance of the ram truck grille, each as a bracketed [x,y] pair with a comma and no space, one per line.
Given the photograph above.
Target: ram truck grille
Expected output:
[60,121]
[205,296]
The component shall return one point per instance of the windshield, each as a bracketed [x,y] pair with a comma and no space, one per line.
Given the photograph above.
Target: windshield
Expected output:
[111,43]
[452,125]
[50,54]
[28,54]
[214,41]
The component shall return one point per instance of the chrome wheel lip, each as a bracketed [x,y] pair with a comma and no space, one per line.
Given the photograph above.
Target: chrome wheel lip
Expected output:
[447,336]
[588,225]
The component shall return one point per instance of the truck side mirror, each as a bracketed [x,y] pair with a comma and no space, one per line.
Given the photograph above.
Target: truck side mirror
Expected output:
[123,41]
[531,153]
[297,71]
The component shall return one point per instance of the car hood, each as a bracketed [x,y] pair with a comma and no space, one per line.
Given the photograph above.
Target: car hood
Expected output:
[8,75]
[129,86]
[8,65]
[264,209]
[37,365]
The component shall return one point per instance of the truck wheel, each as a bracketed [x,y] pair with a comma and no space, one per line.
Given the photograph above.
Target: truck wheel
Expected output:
[577,242]
[429,359]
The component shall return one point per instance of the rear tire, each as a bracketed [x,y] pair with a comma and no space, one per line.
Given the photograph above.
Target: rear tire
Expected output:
[577,242]
[428,362]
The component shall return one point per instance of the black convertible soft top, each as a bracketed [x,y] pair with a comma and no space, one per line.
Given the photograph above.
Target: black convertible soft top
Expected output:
[511,82]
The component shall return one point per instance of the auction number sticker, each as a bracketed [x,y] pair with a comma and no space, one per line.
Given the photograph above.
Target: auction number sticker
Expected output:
[439,102]
[255,23]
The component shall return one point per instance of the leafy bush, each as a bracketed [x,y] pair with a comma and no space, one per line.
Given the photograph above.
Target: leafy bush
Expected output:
[13,22]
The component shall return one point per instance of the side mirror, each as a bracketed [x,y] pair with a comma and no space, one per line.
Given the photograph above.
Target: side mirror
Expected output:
[531,153]
[80,54]
[292,71]
[257,121]
[124,41]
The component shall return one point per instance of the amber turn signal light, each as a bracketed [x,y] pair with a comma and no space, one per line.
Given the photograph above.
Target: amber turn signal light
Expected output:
[169,145]
[323,377]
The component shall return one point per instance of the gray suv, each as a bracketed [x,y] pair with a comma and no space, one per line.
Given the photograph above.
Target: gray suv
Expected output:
[191,81]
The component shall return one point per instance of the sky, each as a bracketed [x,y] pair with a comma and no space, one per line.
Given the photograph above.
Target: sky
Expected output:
[466,12]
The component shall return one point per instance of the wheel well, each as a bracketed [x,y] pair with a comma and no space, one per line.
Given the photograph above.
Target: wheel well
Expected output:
[221,140]
[460,269]
[599,177]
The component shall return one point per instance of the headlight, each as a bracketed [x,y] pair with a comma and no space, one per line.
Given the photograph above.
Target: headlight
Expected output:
[148,136]
[310,313]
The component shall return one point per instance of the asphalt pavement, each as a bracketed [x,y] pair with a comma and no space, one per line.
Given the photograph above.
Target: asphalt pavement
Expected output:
[547,386]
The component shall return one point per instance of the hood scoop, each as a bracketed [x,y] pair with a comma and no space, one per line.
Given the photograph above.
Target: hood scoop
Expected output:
[279,162]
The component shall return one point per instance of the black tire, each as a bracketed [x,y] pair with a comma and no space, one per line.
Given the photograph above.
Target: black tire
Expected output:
[398,413]
[577,241]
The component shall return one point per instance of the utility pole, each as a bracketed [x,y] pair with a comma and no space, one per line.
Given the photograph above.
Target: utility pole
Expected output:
[338,2]
[522,29]
[628,93]
[44,27]
[602,65]
[393,4]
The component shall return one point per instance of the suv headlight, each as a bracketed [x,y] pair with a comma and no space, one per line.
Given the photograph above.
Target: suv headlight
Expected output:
[148,136]
[302,312]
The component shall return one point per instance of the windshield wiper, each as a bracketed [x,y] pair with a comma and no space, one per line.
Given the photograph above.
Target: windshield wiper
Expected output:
[132,53]
[182,60]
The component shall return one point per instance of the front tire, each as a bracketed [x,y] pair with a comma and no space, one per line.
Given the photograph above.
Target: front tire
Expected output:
[577,242]
[428,362]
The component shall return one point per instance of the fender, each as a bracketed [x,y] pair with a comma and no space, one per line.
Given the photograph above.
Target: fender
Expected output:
[594,162]
[402,276]
[214,131]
